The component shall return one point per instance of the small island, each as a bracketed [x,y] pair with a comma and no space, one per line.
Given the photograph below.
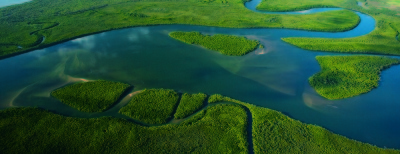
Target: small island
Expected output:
[348,76]
[95,96]
[226,44]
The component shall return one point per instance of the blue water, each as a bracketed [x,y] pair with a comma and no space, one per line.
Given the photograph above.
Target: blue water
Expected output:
[4,3]
[275,77]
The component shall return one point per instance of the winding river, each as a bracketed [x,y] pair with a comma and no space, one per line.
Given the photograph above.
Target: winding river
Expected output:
[275,77]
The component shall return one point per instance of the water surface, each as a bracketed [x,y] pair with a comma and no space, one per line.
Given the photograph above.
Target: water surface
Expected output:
[4,3]
[275,77]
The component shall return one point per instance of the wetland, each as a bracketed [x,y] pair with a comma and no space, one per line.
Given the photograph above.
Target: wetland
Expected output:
[275,76]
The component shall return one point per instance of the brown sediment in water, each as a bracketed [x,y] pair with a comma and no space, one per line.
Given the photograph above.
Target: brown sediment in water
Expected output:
[317,102]
[18,93]
[128,97]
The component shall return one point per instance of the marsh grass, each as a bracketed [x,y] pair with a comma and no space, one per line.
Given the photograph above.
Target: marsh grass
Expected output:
[226,44]
[348,76]
[152,106]
[96,96]
[189,104]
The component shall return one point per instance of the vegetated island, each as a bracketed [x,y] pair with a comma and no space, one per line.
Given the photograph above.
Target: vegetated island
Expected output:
[189,104]
[236,127]
[226,44]
[96,96]
[348,76]
[152,106]
[380,41]
[23,27]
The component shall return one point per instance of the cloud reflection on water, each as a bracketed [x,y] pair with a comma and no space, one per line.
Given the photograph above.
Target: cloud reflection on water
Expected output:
[87,42]
[139,33]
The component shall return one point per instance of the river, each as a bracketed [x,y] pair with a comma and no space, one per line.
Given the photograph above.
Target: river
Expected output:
[275,77]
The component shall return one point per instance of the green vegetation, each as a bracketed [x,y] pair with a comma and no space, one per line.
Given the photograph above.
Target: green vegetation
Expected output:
[95,96]
[152,106]
[26,24]
[221,129]
[347,76]
[273,132]
[189,104]
[226,44]
[381,41]
[282,5]
[219,98]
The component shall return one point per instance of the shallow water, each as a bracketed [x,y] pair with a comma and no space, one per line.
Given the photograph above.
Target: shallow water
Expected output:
[4,3]
[146,57]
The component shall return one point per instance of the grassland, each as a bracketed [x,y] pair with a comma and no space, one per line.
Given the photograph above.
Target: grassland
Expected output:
[347,76]
[189,104]
[273,132]
[26,24]
[95,96]
[152,106]
[221,129]
[226,44]
[381,41]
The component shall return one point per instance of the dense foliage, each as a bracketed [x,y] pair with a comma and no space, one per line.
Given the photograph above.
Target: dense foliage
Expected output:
[219,98]
[95,96]
[273,132]
[189,104]
[152,106]
[281,5]
[380,41]
[226,44]
[26,24]
[347,76]
[221,129]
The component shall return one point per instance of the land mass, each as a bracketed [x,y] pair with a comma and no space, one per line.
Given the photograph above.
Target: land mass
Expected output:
[348,76]
[226,44]
[42,23]
[234,127]
[380,41]
[95,96]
